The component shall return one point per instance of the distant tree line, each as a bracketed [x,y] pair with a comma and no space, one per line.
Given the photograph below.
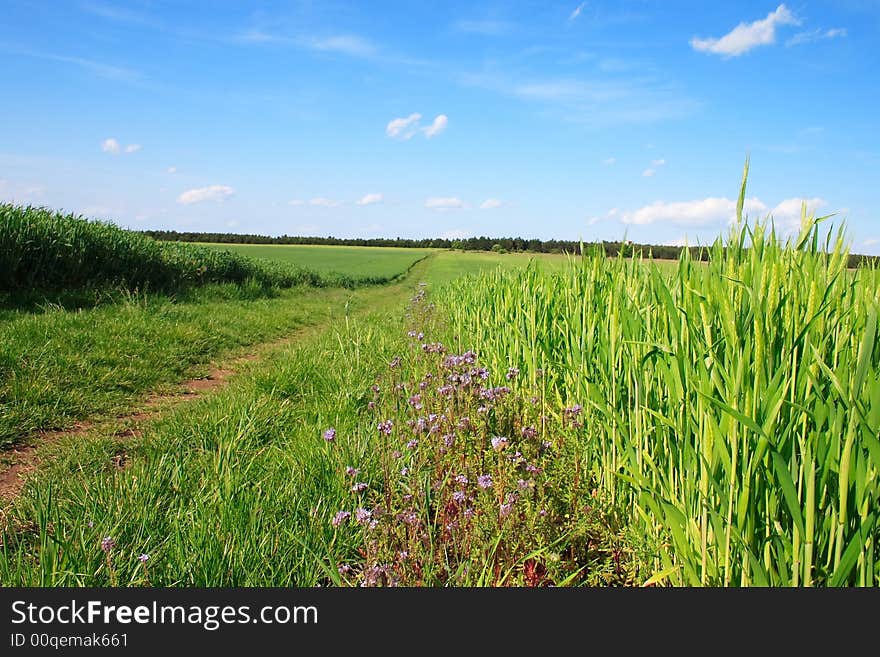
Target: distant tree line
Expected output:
[497,244]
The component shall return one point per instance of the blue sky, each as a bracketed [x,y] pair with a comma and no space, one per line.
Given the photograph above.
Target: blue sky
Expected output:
[571,120]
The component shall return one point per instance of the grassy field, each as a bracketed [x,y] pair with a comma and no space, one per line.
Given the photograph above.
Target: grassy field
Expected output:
[486,420]
[354,261]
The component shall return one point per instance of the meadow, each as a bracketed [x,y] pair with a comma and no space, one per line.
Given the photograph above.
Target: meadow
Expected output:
[476,420]
[363,262]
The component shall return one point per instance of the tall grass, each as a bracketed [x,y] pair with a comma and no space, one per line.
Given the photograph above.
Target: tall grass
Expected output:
[733,406]
[44,249]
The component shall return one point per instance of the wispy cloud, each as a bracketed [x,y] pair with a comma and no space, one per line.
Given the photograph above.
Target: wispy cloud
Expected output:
[747,36]
[598,101]
[100,69]
[487,27]
[407,127]
[217,193]
[171,170]
[456,234]
[403,128]
[296,202]
[652,170]
[111,146]
[437,126]
[816,35]
[491,204]
[345,44]
[574,15]
[370,199]
[444,203]
[608,161]
[322,202]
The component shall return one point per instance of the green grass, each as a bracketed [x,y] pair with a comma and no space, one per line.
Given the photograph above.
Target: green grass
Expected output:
[58,366]
[239,488]
[358,262]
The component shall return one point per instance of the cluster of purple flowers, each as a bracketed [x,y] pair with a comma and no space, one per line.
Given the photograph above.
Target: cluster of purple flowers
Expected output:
[385,427]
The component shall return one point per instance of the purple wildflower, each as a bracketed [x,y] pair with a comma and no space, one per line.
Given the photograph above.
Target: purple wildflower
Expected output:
[512,373]
[529,432]
[484,481]
[449,440]
[403,555]
[385,427]
[533,469]
[574,411]
[344,569]
[469,513]
[340,517]
[143,557]
[461,479]
[459,497]
[362,516]
[404,471]
[352,472]
[359,487]
[330,435]
[416,401]
[524,484]
[107,544]
[412,444]
[371,405]
[505,509]
[499,443]
[411,334]
[396,454]
[395,362]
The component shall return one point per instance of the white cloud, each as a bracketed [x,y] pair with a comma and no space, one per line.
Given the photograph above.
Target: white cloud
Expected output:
[211,193]
[370,199]
[871,241]
[491,204]
[444,203]
[717,211]
[592,221]
[133,148]
[110,145]
[403,128]
[658,163]
[455,234]
[746,36]
[787,214]
[324,202]
[438,126]
[816,35]
[648,173]
[407,127]
[345,44]
[577,11]
[296,201]
[704,212]
[608,161]
[171,170]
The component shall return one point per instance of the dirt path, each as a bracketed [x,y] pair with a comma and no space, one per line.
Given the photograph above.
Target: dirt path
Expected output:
[23,459]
